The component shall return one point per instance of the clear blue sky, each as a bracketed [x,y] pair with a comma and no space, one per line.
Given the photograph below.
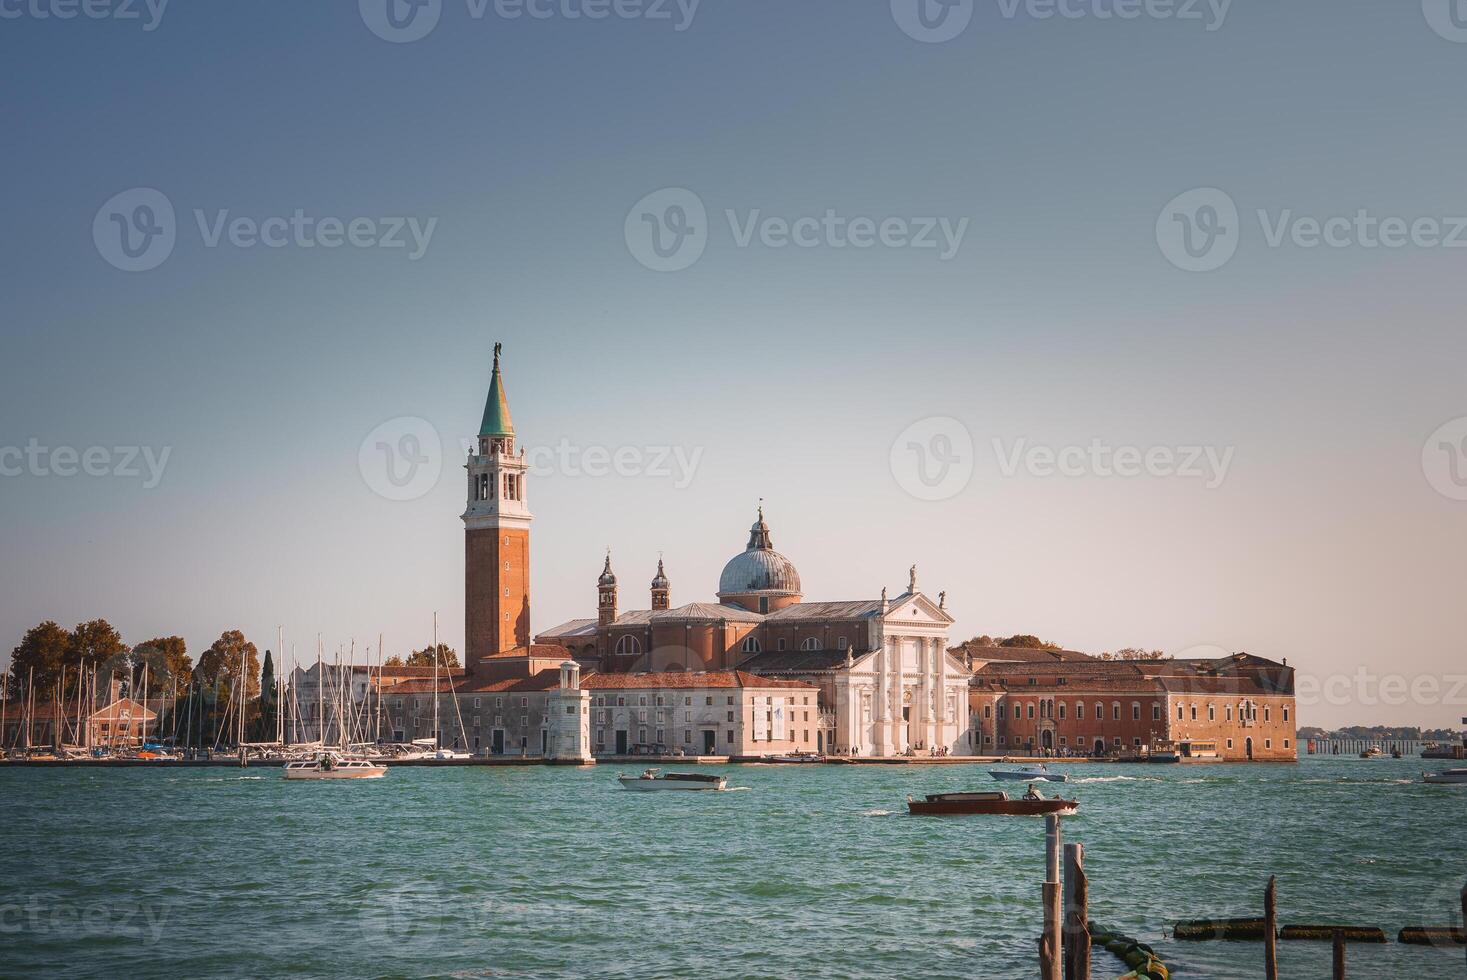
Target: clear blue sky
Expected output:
[791,370]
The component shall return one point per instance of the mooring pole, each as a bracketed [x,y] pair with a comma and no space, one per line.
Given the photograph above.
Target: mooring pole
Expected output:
[1464,908]
[1051,961]
[1271,929]
[1339,973]
[1076,915]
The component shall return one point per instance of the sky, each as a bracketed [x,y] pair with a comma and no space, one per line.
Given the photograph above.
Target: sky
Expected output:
[1130,324]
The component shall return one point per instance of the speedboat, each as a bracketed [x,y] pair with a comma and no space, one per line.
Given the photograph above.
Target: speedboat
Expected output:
[1372,753]
[1448,776]
[795,757]
[1028,774]
[329,765]
[991,802]
[651,780]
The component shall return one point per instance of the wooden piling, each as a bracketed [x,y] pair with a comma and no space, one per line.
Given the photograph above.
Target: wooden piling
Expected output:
[1076,915]
[1051,945]
[1271,929]
[1339,958]
[1464,908]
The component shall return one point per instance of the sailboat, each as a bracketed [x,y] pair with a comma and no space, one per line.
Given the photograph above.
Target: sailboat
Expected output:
[332,764]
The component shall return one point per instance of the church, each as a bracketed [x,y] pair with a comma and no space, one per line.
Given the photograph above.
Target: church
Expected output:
[865,677]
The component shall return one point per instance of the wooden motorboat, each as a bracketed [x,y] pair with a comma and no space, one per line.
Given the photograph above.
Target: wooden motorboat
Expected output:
[1372,753]
[994,802]
[332,766]
[1034,772]
[654,779]
[1448,776]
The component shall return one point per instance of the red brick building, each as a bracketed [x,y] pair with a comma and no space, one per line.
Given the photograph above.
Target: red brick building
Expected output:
[1239,707]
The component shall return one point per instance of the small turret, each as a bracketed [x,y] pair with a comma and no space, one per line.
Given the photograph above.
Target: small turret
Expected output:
[606,595]
[661,589]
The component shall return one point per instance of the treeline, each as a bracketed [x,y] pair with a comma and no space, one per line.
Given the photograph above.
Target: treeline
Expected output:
[54,664]
[1411,734]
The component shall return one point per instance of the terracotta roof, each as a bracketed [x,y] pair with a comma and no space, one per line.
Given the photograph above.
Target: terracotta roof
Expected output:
[799,660]
[545,680]
[1022,654]
[684,680]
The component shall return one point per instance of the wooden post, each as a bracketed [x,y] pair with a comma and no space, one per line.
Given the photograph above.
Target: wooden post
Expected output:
[1076,915]
[1464,908]
[1271,930]
[1339,973]
[1051,956]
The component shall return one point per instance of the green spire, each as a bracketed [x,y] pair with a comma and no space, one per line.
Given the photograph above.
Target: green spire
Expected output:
[496,408]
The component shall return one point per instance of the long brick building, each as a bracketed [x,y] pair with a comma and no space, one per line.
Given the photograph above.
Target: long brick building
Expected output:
[1238,707]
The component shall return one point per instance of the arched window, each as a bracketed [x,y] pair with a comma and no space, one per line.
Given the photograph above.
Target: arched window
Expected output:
[751,644]
[810,643]
[628,644]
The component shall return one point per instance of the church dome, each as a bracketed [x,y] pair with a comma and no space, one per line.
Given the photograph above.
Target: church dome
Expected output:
[759,568]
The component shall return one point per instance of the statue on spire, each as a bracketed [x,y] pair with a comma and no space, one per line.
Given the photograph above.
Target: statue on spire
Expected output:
[497,349]
[912,580]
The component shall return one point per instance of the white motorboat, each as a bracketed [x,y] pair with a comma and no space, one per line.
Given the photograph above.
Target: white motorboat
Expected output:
[443,754]
[1448,776]
[795,757]
[686,781]
[1029,774]
[329,765]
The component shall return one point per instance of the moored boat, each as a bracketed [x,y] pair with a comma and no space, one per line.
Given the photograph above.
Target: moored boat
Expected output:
[1448,776]
[1372,753]
[1027,774]
[654,779]
[796,757]
[990,802]
[329,765]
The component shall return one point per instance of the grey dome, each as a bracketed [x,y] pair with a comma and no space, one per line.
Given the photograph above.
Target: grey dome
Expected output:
[759,568]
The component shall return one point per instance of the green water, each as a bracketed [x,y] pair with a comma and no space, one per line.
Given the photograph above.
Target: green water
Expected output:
[803,872]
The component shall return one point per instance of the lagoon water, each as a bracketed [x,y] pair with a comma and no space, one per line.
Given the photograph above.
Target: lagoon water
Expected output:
[811,871]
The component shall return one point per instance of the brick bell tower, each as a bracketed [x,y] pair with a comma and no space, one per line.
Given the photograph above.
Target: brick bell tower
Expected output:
[496,538]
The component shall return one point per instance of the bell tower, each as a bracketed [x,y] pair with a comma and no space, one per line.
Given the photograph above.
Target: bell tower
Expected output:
[497,537]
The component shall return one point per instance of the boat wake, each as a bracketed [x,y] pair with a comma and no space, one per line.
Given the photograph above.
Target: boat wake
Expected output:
[876,813]
[1118,779]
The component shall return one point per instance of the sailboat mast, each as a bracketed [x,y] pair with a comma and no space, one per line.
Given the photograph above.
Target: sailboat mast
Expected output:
[437,742]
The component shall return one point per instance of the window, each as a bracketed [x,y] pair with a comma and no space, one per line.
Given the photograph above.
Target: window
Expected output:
[728,736]
[1115,711]
[1211,713]
[810,643]
[476,702]
[1194,712]
[687,702]
[1268,743]
[763,603]
[988,711]
[1079,710]
[688,735]
[628,645]
[780,644]
[1135,710]
[1286,743]
[730,716]
[1227,712]
[1018,712]
[751,644]
[1062,711]
[1230,743]
[841,644]
[1286,718]
[1156,712]
[642,700]
[642,735]
[708,700]
[1179,712]
[1031,711]
[1265,714]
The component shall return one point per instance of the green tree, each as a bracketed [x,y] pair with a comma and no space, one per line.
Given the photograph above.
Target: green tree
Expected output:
[219,667]
[424,658]
[1028,641]
[93,644]
[1134,653]
[41,654]
[167,660]
[265,724]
